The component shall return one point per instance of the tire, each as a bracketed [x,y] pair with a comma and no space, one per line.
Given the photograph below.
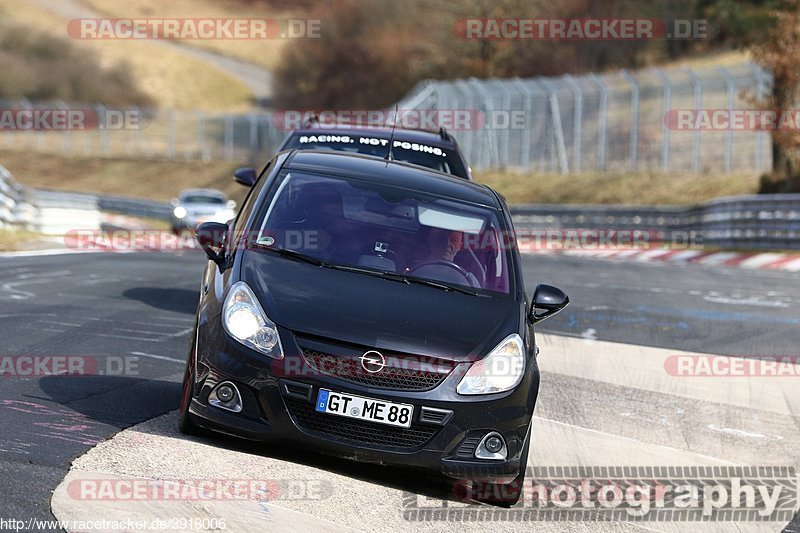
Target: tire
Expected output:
[185,423]
[507,494]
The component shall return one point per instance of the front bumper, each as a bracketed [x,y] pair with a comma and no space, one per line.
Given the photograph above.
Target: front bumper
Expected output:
[278,405]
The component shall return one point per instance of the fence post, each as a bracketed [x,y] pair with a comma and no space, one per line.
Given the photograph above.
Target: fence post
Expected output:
[228,137]
[201,134]
[577,127]
[527,95]
[634,118]
[65,141]
[251,119]
[698,103]
[505,137]
[667,104]
[171,134]
[489,136]
[729,136]
[603,117]
[555,112]
[760,90]
[102,128]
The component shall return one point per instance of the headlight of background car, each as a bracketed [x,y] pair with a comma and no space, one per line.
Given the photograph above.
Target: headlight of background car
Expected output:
[179,212]
[499,371]
[245,321]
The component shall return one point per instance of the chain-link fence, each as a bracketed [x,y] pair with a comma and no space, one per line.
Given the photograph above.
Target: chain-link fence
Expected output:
[97,131]
[613,122]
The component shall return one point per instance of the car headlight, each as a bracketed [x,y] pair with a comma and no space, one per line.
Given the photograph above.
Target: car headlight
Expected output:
[500,371]
[179,212]
[245,321]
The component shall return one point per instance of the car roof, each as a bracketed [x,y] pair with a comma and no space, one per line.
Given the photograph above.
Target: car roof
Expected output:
[202,192]
[394,173]
[434,138]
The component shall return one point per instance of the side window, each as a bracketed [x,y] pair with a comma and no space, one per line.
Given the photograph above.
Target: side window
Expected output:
[247,206]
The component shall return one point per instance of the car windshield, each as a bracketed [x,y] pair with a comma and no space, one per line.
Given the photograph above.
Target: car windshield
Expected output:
[200,199]
[428,156]
[410,234]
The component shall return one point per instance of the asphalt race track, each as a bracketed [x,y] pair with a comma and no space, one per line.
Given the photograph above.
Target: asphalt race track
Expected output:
[137,309]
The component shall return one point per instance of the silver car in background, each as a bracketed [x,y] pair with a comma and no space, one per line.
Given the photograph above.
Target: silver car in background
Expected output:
[195,206]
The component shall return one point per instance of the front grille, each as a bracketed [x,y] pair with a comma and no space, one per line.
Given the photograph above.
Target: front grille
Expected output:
[356,431]
[401,374]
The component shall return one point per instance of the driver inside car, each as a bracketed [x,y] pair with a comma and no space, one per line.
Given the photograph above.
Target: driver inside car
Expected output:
[444,250]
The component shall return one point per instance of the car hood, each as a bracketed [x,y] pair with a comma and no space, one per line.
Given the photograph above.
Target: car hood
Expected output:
[375,312]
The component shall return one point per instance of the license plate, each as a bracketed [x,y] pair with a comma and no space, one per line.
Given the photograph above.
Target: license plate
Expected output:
[382,412]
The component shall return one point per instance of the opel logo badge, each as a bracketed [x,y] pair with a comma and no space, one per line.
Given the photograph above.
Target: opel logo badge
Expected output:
[373,361]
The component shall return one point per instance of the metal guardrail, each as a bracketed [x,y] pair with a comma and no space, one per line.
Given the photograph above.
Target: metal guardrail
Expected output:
[126,205]
[17,209]
[739,222]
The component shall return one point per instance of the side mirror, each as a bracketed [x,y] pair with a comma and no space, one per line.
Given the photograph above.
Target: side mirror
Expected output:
[211,236]
[246,176]
[547,301]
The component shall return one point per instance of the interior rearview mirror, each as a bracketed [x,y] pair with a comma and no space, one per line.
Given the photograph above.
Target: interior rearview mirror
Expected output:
[211,237]
[246,176]
[547,301]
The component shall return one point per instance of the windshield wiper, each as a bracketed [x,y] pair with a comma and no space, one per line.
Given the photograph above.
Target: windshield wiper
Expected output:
[408,280]
[394,276]
[297,256]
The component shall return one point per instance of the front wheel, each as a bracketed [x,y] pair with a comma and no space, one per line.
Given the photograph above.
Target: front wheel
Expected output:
[185,423]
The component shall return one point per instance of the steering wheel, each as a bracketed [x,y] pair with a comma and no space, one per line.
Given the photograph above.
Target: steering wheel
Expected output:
[444,263]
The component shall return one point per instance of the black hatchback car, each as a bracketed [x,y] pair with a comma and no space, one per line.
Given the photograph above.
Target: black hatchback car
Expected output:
[372,310]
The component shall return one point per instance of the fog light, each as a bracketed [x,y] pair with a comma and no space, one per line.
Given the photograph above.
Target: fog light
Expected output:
[492,446]
[225,393]
[226,396]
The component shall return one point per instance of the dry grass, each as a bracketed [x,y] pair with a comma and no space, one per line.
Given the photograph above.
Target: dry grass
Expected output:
[154,179]
[162,180]
[170,78]
[17,239]
[632,189]
[260,52]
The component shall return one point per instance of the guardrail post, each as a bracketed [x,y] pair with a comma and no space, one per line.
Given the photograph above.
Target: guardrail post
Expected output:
[667,104]
[603,118]
[698,103]
[634,118]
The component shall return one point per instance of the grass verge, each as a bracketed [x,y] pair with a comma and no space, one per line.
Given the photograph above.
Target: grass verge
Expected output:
[617,188]
[12,239]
